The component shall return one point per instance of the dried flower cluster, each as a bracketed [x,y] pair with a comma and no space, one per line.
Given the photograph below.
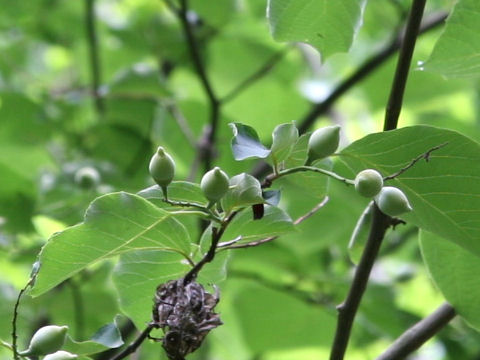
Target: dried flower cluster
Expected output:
[185,313]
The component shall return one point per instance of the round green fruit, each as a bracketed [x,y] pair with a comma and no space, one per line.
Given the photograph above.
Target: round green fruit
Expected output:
[368,183]
[87,177]
[162,167]
[214,184]
[60,355]
[46,340]
[392,201]
[323,142]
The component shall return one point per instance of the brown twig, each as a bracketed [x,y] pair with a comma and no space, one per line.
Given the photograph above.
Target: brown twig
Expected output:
[425,155]
[230,245]
[419,333]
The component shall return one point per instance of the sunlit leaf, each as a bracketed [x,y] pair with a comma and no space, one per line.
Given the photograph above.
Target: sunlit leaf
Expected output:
[444,192]
[114,224]
[244,190]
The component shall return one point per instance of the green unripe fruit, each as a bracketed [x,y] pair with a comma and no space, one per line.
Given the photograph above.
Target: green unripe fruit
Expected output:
[46,340]
[214,184]
[60,355]
[323,142]
[368,183]
[392,201]
[162,167]
[87,177]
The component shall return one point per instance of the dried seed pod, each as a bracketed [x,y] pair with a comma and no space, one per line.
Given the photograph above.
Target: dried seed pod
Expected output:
[185,314]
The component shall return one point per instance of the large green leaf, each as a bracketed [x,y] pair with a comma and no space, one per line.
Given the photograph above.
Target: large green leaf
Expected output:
[455,272]
[327,25]
[457,52]
[138,274]
[444,192]
[114,224]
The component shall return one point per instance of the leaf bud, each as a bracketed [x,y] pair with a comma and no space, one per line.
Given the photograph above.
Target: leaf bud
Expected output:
[162,167]
[368,183]
[46,340]
[214,184]
[392,201]
[323,142]
[60,355]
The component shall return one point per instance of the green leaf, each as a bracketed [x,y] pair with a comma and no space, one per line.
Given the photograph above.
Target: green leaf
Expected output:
[114,223]
[244,190]
[178,191]
[455,272]
[246,144]
[138,274]
[284,137]
[274,222]
[107,337]
[456,53]
[360,234]
[327,25]
[444,192]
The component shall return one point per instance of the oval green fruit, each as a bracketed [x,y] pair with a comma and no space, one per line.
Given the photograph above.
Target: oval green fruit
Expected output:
[46,340]
[368,183]
[60,355]
[87,177]
[392,201]
[323,142]
[214,184]
[162,167]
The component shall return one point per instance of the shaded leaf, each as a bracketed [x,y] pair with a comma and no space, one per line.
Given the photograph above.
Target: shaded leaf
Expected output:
[114,224]
[177,191]
[274,222]
[246,144]
[107,337]
[455,272]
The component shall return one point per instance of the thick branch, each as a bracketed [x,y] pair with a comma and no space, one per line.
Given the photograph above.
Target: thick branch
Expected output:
[419,333]
[94,55]
[348,309]
[395,100]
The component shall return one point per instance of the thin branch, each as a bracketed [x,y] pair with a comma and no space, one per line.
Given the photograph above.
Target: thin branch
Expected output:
[348,309]
[419,333]
[210,255]
[210,139]
[395,100]
[135,344]
[94,55]
[182,123]
[257,75]
[425,155]
[15,316]
[274,176]
[229,244]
